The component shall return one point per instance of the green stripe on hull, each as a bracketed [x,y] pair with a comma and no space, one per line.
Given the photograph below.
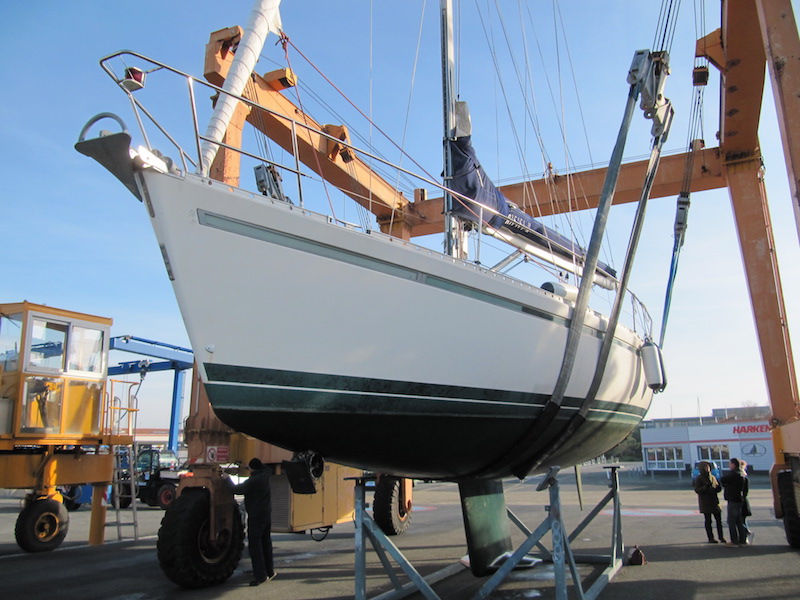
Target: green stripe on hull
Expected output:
[277,390]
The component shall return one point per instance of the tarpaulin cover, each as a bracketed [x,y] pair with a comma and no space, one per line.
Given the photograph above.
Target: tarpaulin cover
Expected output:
[470,180]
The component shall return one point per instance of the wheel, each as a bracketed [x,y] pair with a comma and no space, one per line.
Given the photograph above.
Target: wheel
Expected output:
[42,525]
[387,511]
[71,494]
[791,518]
[185,553]
[166,495]
[125,494]
[149,494]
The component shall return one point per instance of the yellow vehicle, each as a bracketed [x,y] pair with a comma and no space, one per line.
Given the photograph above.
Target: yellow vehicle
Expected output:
[56,425]
[201,536]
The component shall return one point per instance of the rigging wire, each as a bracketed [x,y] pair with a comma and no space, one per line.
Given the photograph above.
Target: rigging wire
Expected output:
[667,24]
[564,142]
[694,143]
[608,250]
[361,112]
[371,83]
[532,114]
[410,98]
[575,85]
[571,196]
[285,42]
[504,93]
[309,92]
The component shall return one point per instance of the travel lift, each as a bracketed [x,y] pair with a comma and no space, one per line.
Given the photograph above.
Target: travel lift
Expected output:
[741,52]
[60,418]
[57,423]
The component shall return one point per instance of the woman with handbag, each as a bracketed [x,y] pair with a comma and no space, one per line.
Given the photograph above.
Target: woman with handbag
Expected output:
[707,488]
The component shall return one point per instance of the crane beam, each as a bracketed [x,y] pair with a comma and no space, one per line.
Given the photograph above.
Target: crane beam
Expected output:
[742,80]
[782,49]
[742,86]
[578,191]
[751,212]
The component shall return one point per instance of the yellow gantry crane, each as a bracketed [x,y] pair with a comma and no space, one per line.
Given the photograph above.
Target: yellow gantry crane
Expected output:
[58,426]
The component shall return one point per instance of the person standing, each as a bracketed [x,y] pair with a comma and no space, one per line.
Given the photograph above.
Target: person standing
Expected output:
[707,488]
[746,511]
[736,488]
[258,503]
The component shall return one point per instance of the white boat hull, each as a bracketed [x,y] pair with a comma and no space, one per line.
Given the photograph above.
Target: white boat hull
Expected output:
[370,350]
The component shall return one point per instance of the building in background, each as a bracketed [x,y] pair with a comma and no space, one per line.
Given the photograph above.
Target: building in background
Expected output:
[677,444]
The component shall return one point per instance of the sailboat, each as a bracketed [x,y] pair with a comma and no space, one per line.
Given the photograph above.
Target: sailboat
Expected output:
[249,271]
[269,291]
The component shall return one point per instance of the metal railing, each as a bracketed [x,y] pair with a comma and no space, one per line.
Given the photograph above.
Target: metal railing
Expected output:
[193,158]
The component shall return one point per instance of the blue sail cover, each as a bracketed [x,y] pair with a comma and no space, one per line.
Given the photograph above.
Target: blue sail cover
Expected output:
[470,180]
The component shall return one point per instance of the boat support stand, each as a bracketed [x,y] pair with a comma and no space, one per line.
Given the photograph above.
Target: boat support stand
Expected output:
[561,555]
[365,527]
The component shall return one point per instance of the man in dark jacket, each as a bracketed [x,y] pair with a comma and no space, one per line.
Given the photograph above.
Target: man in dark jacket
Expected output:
[258,502]
[736,488]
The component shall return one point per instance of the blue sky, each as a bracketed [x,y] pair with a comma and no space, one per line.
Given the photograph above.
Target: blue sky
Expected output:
[78,240]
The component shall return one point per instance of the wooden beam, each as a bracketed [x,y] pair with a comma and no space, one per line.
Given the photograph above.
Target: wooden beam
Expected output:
[579,191]
[782,49]
[742,80]
[324,156]
[227,163]
[710,47]
[751,213]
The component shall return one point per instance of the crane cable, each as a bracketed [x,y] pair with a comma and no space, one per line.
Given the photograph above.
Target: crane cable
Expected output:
[694,143]
[521,467]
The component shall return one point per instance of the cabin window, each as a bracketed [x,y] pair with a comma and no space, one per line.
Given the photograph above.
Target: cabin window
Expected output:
[718,453]
[665,459]
[41,412]
[48,345]
[145,461]
[10,341]
[85,350]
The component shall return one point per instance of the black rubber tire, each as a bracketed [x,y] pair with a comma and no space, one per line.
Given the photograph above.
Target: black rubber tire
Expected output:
[791,518]
[386,510]
[166,495]
[42,525]
[125,496]
[149,494]
[184,553]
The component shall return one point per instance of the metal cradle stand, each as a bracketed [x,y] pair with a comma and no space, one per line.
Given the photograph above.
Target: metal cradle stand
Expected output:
[385,548]
[561,555]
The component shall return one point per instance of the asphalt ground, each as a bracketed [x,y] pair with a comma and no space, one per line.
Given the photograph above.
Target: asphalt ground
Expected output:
[660,515]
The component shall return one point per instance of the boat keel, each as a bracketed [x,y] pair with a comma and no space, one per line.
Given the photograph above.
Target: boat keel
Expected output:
[483,506]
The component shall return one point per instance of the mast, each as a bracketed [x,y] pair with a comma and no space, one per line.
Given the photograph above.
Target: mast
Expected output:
[448,97]
[264,18]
